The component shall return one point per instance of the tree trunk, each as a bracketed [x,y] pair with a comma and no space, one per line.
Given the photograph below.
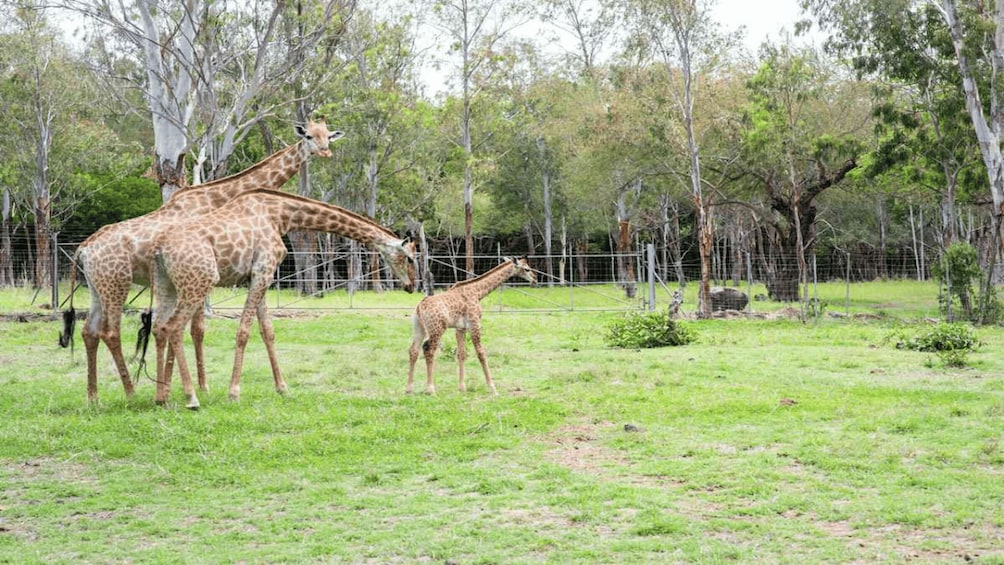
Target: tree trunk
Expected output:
[548,235]
[6,249]
[625,266]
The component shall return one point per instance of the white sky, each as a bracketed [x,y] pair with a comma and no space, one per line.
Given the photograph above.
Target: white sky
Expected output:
[763,18]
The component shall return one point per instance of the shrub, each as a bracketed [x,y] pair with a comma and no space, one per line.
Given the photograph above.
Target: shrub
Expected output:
[653,329]
[951,342]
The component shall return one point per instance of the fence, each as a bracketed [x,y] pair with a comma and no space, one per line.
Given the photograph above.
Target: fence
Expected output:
[572,281]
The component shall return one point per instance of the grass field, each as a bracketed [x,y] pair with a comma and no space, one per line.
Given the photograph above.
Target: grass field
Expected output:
[771,441]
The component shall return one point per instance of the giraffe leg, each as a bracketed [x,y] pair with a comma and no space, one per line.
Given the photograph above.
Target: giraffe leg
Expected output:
[91,341]
[268,336]
[198,336]
[163,376]
[461,358]
[417,337]
[256,291]
[170,336]
[111,332]
[430,361]
[480,350]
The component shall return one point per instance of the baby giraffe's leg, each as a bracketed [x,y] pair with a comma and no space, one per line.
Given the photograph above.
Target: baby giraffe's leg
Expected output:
[430,360]
[417,337]
[480,350]
[461,358]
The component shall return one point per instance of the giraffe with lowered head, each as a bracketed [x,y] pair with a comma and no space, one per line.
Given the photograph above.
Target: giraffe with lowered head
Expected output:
[119,254]
[242,241]
[459,308]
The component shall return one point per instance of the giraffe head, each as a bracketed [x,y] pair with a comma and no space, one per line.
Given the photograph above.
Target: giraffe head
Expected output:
[400,256]
[317,137]
[521,268]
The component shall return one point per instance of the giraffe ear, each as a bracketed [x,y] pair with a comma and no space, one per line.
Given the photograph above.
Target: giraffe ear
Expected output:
[301,131]
[337,134]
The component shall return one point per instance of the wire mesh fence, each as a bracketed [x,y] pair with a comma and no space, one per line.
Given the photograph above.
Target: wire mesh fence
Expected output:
[344,275]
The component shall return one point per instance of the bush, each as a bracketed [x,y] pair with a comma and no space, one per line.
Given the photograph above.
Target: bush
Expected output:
[654,329]
[951,342]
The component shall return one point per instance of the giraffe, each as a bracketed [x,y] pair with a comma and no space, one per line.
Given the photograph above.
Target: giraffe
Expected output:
[119,254]
[242,241]
[459,308]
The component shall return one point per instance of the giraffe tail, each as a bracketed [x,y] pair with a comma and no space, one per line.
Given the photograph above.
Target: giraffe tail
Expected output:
[70,315]
[418,333]
[143,338]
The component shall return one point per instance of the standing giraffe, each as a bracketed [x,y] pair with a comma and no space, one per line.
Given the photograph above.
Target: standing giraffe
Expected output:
[119,254]
[242,241]
[460,308]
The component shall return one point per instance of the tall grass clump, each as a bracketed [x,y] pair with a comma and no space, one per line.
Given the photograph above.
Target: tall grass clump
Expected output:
[644,331]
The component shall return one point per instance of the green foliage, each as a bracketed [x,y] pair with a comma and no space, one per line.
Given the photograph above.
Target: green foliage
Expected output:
[113,199]
[958,271]
[951,342]
[644,331]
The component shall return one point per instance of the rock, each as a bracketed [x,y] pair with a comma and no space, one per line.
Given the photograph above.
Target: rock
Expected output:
[725,298]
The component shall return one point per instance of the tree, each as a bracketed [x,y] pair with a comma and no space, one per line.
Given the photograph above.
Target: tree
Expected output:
[801,138]
[682,39]
[48,105]
[209,70]
[906,46]
[476,28]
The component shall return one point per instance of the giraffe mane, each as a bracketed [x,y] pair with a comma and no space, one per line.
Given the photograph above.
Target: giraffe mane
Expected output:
[306,200]
[268,161]
[504,263]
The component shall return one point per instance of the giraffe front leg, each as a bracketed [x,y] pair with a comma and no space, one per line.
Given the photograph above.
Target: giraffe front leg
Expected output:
[243,333]
[480,350]
[268,336]
[461,358]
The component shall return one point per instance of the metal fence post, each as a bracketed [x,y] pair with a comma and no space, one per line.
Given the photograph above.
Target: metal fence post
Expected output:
[54,276]
[650,248]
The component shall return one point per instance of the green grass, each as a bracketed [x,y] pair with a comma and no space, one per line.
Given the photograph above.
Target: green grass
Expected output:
[769,441]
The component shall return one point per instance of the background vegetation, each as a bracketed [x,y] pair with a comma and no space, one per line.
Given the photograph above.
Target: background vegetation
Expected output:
[654,125]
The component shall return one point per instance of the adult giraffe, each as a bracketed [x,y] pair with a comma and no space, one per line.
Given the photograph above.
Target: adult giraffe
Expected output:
[242,241]
[119,254]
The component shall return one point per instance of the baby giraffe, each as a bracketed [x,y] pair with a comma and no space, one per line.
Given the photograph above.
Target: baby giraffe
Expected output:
[459,308]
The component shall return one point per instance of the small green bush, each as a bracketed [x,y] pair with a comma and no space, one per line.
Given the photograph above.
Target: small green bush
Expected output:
[951,342]
[943,337]
[653,329]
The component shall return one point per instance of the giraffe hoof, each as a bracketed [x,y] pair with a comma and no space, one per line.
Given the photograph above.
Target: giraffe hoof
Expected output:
[193,404]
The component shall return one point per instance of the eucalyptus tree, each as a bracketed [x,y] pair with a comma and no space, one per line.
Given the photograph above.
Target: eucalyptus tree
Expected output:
[476,30]
[54,136]
[681,37]
[803,135]
[908,47]
[389,156]
[209,70]
[588,27]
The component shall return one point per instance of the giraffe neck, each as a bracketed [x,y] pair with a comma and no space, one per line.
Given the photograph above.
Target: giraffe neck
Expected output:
[296,212]
[488,281]
[270,173]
